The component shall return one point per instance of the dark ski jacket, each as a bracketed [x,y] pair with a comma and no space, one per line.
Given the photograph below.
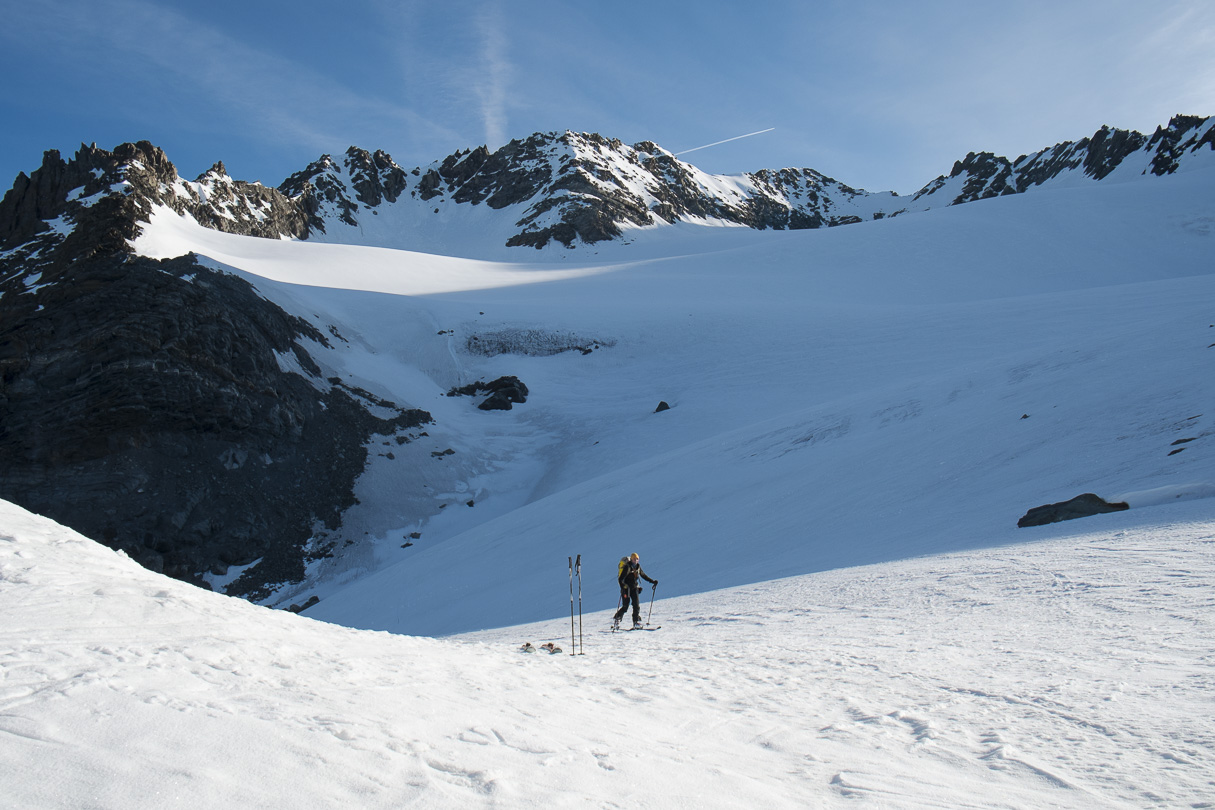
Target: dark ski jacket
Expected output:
[628,577]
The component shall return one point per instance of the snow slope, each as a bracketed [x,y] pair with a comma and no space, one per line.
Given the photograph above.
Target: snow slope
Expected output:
[840,397]
[1072,672]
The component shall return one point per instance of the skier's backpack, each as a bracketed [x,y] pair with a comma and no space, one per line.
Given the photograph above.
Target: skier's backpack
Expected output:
[620,568]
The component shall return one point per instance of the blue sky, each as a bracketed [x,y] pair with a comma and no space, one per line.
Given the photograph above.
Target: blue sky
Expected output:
[879,95]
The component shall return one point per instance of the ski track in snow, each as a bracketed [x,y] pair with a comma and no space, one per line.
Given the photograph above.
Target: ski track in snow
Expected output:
[1071,672]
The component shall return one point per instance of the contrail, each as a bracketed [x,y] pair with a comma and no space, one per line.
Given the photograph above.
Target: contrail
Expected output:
[727,140]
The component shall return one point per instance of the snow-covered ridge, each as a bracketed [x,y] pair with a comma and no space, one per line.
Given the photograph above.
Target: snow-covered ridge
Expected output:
[580,189]
[1117,155]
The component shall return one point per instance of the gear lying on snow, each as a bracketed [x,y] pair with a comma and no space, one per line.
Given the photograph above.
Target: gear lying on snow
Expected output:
[549,647]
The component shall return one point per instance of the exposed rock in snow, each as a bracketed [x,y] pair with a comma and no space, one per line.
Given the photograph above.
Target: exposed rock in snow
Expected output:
[1080,506]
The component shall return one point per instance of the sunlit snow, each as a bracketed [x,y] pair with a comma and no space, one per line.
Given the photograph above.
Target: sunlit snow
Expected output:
[1071,672]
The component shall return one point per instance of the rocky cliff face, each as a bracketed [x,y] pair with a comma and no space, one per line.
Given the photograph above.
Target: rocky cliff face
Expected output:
[165,408]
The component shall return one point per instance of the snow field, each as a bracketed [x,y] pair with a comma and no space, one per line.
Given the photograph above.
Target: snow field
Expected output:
[1074,671]
[930,453]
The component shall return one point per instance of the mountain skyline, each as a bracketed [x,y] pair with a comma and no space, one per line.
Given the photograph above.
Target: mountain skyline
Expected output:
[571,188]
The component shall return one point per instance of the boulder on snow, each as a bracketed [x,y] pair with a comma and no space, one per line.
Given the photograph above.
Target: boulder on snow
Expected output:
[1078,507]
[312,600]
[662,406]
[503,392]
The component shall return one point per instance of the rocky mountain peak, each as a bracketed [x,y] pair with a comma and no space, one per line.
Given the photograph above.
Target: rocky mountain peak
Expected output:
[375,177]
[1108,152]
[216,171]
[96,203]
[1185,134]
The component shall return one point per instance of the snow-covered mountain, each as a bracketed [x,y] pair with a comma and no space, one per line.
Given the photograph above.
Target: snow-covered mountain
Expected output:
[566,188]
[582,189]
[281,417]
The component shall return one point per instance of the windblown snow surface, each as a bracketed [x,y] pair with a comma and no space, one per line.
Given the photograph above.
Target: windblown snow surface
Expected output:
[1074,671]
[849,614]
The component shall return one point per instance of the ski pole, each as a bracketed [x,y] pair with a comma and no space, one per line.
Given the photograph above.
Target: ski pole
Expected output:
[653,591]
[571,559]
[578,570]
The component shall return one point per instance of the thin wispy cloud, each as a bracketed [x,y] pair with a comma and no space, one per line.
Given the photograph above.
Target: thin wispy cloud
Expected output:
[454,61]
[493,89]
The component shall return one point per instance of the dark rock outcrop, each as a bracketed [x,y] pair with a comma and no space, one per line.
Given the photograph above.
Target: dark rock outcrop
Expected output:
[1080,506]
[321,190]
[144,404]
[503,392]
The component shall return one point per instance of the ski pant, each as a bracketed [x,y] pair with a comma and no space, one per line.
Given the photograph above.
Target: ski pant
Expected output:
[628,595]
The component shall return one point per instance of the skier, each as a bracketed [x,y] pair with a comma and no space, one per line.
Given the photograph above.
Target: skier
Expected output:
[630,589]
